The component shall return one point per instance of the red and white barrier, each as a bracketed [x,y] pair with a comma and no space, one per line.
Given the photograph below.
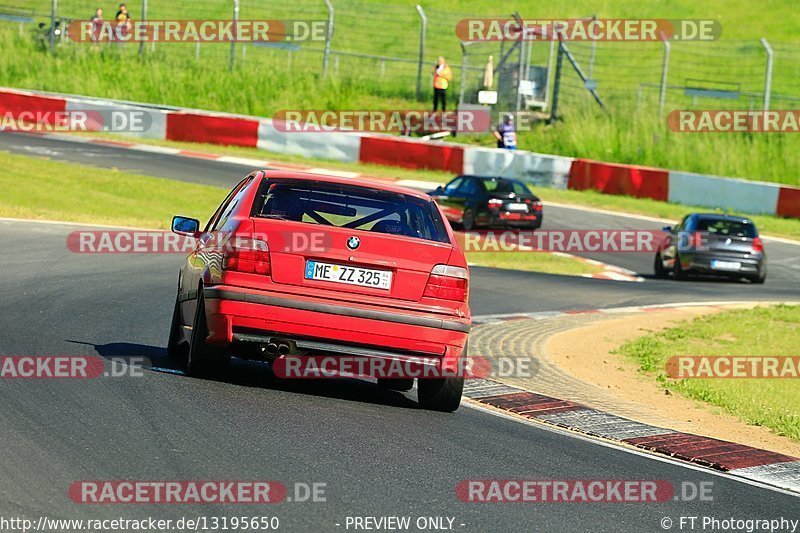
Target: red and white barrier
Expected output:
[788,202]
[212,129]
[610,178]
[538,169]
[156,119]
[412,153]
[14,103]
[339,146]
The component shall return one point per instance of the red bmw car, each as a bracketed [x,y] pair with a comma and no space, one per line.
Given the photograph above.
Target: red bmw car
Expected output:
[295,264]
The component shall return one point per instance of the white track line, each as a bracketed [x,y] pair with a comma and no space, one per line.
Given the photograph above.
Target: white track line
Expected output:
[473,404]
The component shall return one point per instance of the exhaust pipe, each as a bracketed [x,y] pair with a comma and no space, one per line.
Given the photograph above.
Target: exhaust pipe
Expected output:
[284,349]
[272,348]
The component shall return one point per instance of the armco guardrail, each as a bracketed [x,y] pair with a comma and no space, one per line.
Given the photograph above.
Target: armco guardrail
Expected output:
[540,169]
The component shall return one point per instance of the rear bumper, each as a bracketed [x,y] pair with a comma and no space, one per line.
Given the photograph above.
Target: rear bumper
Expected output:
[234,314]
[520,220]
[701,263]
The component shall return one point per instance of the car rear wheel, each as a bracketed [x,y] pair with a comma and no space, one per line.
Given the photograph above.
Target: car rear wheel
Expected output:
[204,360]
[177,348]
[468,220]
[440,394]
[761,277]
[658,267]
[677,271]
[399,384]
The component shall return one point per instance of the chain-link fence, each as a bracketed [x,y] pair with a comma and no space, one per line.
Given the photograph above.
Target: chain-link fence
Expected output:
[653,76]
[395,46]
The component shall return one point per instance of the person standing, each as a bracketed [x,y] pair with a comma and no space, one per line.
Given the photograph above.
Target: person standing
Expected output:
[441,81]
[506,133]
[122,15]
[123,20]
[97,24]
[488,75]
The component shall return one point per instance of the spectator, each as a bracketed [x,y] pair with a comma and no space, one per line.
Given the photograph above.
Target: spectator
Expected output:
[97,23]
[123,20]
[506,133]
[441,80]
[122,15]
[488,75]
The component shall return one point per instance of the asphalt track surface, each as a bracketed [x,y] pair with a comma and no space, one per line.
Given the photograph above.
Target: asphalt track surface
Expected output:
[378,454]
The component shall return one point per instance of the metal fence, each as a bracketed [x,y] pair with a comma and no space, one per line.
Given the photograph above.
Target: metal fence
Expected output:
[395,47]
[657,77]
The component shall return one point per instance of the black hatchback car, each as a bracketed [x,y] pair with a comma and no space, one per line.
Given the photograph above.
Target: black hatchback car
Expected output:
[713,244]
[476,201]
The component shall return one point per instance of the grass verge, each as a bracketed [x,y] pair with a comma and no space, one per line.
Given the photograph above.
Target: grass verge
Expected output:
[544,262]
[78,193]
[48,190]
[774,331]
[267,79]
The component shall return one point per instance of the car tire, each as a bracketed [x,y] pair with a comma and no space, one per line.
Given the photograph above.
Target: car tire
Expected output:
[761,277]
[658,267]
[204,361]
[177,347]
[468,220]
[677,272]
[398,384]
[440,394]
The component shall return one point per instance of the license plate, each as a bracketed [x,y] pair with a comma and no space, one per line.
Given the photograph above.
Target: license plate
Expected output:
[351,275]
[725,265]
[517,207]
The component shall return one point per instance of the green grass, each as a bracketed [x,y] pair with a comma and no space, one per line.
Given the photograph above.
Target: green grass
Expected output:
[545,262]
[40,189]
[267,80]
[774,331]
[78,193]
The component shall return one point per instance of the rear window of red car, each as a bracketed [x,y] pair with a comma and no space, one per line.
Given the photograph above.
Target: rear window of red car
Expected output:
[347,206]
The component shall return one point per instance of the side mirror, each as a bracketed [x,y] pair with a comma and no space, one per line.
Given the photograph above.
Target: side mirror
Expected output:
[185,226]
[668,229]
[439,190]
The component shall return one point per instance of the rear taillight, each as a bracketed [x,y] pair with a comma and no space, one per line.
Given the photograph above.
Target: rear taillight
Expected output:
[447,283]
[758,245]
[496,203]
[537,206]
[247,255]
